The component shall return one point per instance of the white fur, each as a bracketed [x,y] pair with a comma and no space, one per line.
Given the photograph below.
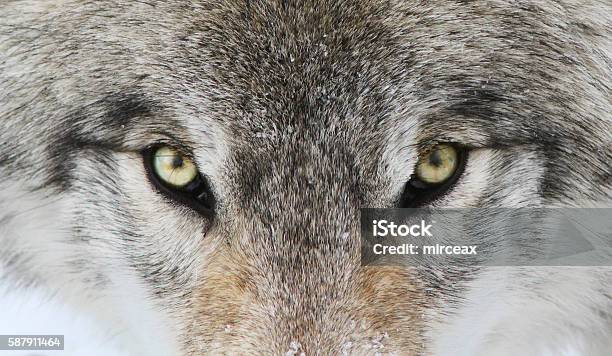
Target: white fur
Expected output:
[123,315]
[35,312]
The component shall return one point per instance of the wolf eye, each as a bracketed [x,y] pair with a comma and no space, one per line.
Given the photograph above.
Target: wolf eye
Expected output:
[173,168]
[438,165]
[435,173]
[177,177]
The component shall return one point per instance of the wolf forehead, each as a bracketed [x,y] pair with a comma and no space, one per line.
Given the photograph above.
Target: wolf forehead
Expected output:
[344,71]
[267,66]
[256,66]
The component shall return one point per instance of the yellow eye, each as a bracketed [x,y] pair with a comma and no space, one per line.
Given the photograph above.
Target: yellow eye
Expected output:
[438,165]
[173,168]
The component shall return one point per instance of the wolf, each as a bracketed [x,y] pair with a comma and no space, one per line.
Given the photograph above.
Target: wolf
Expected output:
[296,113]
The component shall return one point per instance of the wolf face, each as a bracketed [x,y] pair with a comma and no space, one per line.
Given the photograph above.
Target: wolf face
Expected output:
[297,114]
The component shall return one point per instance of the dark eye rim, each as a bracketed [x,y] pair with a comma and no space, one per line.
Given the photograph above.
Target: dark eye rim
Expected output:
[197,195]
[418,193]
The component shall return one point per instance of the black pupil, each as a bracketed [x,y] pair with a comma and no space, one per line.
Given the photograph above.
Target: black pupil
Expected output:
[177,162]
[435,159]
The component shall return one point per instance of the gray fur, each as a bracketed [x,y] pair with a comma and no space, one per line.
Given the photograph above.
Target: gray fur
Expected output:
[299,113]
